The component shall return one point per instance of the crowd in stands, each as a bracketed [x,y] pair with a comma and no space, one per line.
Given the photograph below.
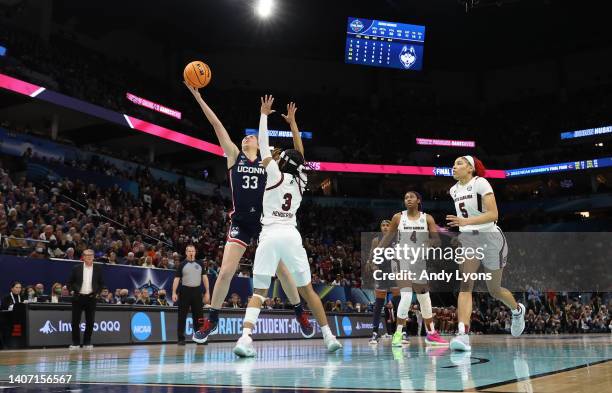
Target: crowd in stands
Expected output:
[548,313]
[62,219]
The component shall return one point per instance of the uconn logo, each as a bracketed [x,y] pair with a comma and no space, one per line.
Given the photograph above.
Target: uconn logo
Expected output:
[408,57]
[251,169]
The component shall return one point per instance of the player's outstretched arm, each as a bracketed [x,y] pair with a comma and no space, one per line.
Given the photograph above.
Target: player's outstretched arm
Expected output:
[264,145]
[229,148]
[295,131]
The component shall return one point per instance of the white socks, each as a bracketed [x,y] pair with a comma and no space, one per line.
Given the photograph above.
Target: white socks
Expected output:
[326,331]
[404,305]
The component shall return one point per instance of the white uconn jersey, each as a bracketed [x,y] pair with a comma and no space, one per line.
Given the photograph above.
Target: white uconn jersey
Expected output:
[468,200]
[282,197]
[413,232]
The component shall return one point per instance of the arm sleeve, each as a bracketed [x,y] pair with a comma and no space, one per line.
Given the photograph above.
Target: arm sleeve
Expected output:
[264,146]
[483,187]
[274,174]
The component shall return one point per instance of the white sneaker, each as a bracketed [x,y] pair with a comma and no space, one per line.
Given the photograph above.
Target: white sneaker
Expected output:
[73,347]
[332,344]
[518,322]
[88,347]
[461,342]
[374,339]
[386,336]
[244,347]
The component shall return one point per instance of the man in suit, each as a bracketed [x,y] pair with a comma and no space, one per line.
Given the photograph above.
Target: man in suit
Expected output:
[84,284]
[14,297]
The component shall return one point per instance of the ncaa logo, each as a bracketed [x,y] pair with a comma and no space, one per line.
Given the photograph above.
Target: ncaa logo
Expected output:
[346,326]
[141,326]
[356,25]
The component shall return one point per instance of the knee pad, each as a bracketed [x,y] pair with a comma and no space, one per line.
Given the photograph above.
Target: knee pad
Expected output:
[261,281]
[425,303]
[404,304]
[251,315]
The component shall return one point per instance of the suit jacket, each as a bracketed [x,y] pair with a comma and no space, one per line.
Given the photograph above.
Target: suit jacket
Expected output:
[8,300]
[76,279]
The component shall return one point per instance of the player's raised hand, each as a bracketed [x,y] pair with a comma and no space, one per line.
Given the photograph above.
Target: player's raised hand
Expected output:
[266,105]
[290,116]
[276,153]
[194,91]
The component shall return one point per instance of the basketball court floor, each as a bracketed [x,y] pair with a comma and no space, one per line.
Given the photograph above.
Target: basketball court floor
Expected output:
[496,364]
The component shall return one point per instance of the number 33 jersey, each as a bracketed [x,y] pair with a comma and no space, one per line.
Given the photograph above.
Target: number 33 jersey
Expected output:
[282,197]
[468,200]
[247,181]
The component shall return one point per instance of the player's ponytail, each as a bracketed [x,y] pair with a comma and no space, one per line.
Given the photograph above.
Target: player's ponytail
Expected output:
[479,168]
[292,162]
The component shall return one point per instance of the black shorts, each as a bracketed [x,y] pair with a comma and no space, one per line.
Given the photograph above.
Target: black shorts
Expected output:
[242,231]
[387,266]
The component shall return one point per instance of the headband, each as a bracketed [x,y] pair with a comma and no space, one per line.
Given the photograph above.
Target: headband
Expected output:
[470,159]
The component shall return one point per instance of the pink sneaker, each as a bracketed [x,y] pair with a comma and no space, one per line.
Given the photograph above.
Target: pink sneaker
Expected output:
[434,340]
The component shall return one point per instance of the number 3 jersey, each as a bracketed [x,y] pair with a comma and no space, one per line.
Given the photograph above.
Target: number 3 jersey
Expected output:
[468,200]
[248,182]
[283,196]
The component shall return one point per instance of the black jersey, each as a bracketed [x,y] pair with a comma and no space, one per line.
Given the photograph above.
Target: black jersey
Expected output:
[248,183]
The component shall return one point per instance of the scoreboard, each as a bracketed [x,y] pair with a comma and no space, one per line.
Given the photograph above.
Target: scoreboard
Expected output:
[384,44]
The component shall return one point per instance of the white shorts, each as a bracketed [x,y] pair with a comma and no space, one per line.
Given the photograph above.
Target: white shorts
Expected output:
[416,269]
[493,245]
[281,242]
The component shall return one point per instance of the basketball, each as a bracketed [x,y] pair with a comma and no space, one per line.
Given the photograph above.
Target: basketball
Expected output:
[197,74]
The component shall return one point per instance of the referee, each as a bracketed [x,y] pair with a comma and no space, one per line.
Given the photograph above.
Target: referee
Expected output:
[190,274]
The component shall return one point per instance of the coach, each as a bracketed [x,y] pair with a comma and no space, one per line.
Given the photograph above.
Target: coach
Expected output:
[190,274]
[84,284]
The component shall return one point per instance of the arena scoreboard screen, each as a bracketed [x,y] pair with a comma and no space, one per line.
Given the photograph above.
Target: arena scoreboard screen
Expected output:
[384,44]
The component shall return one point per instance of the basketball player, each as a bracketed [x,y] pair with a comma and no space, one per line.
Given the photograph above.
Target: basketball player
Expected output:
[381,287]
[279,238]
[414,229]
[476,219]
[247,181]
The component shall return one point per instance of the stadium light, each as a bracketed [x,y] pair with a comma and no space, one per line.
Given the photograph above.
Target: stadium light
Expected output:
[264,8]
